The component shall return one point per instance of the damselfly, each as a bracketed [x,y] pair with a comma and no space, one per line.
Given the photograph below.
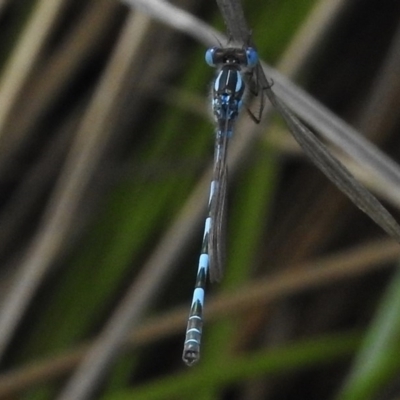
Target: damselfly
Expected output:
[237,65]
[227,98]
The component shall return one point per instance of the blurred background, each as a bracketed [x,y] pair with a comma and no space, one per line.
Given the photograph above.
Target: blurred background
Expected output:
[106,139]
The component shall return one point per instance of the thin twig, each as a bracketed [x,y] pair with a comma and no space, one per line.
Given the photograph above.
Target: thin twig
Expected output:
[47,83]
[87,148]
[25,56]
[106,347]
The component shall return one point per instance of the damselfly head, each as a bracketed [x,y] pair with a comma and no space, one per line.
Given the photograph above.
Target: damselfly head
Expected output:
[246,57]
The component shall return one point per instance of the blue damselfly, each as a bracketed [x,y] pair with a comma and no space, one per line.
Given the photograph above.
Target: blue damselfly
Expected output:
[235,65]
[240,68]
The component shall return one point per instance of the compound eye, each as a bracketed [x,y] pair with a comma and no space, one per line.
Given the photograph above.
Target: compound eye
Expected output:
[252,57]
[210,57]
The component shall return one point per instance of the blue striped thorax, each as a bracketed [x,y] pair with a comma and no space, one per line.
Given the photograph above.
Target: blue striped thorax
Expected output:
[229,86]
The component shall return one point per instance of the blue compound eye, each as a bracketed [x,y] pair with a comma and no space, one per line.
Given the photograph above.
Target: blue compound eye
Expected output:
[252,57]
[210,57]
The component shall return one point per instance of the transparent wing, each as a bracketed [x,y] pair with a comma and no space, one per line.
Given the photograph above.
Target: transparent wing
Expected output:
[233,15]
[217,238]
[335,170]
